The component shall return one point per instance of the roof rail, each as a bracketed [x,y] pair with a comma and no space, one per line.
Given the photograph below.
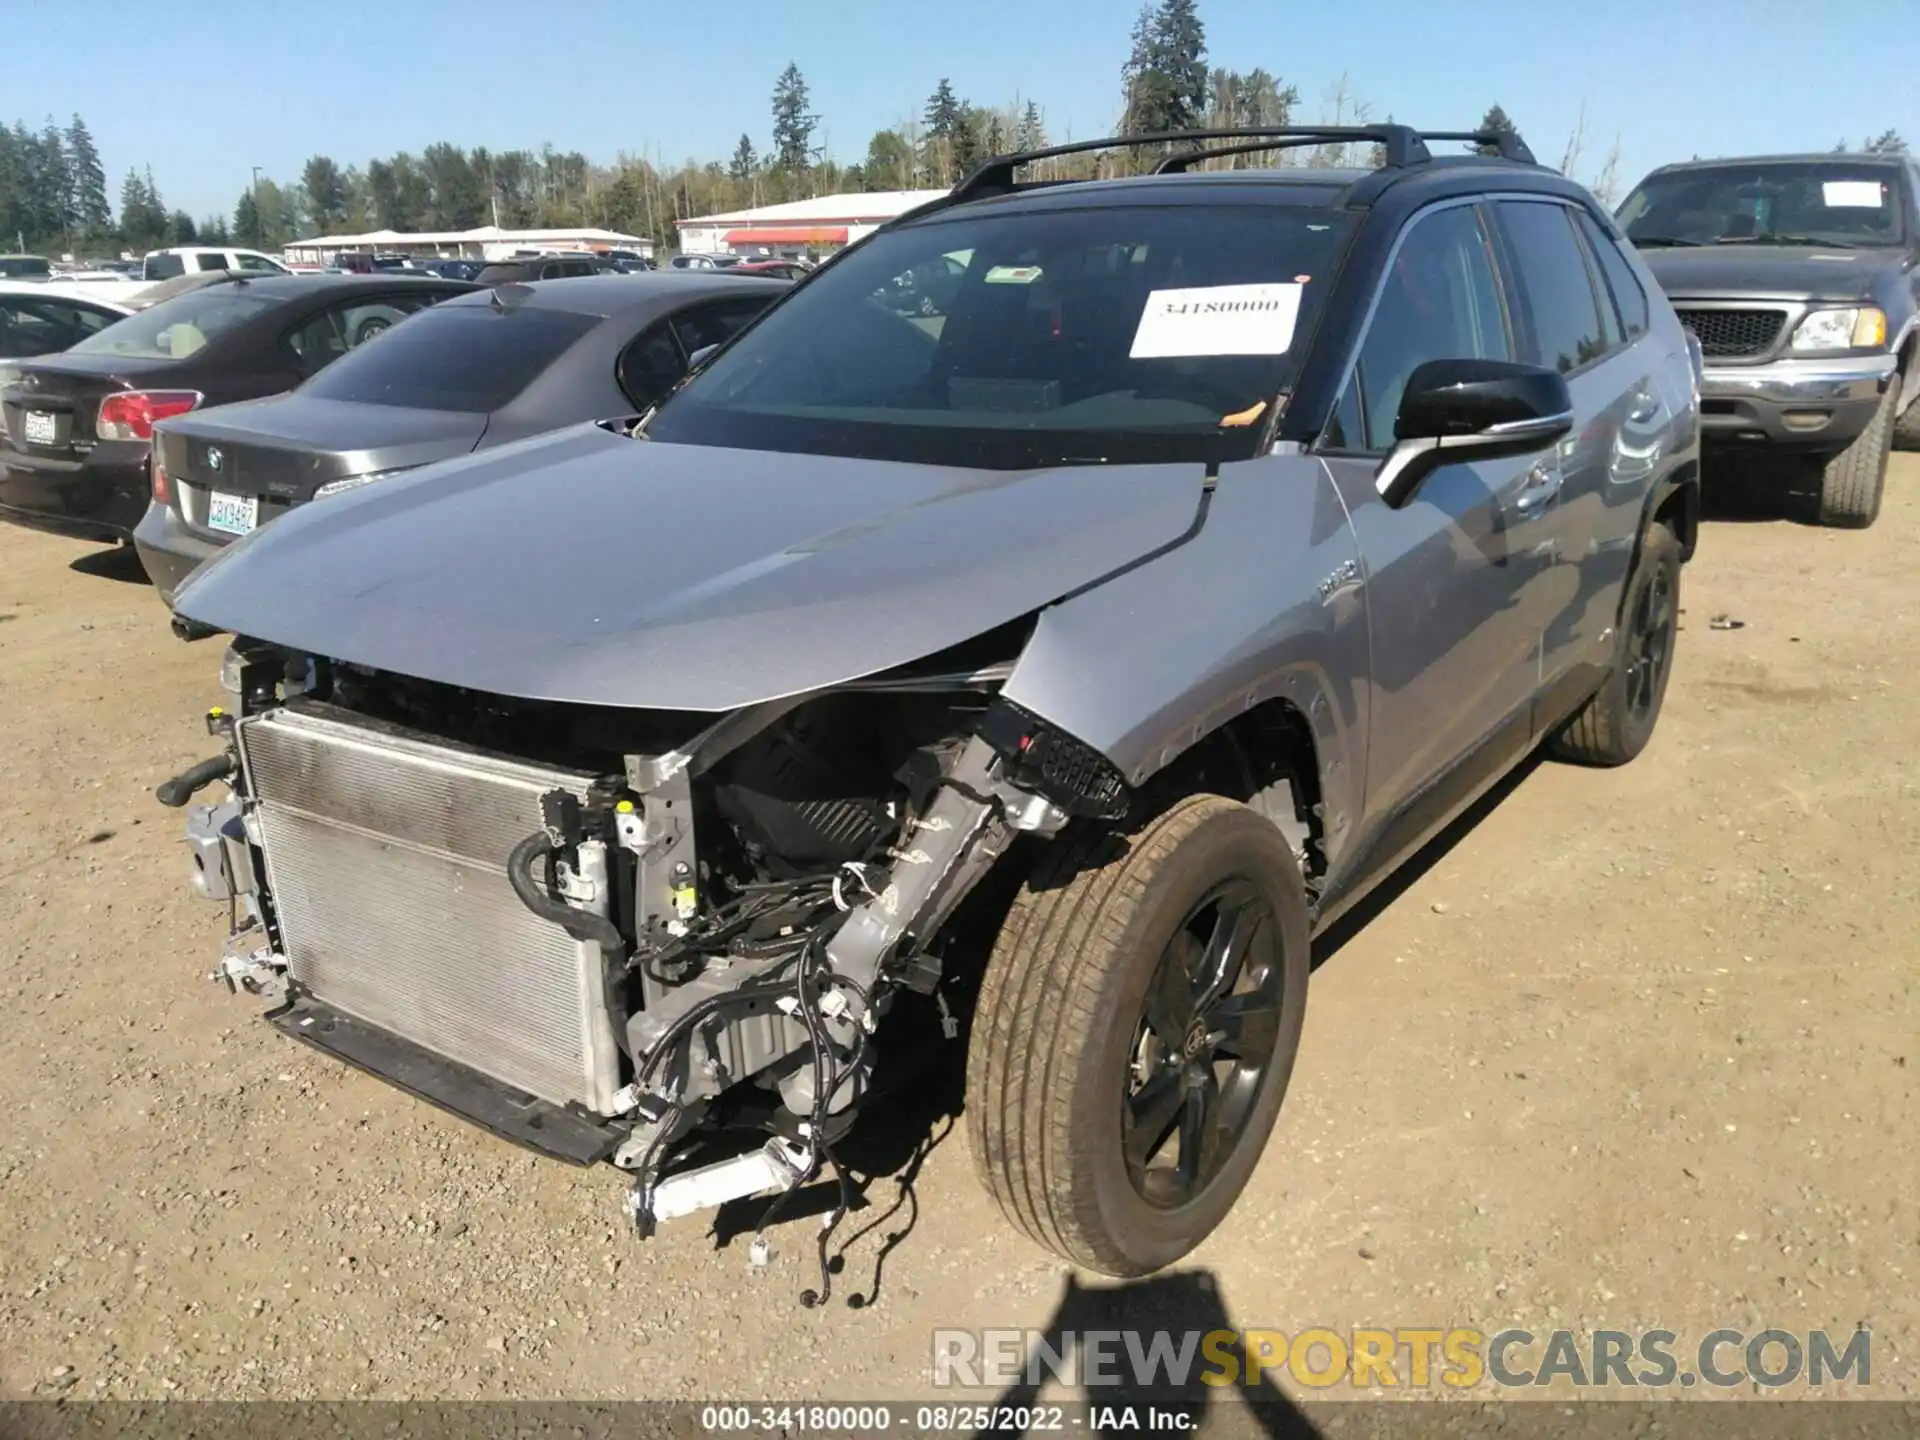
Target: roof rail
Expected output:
[1403,144]
[1507,144]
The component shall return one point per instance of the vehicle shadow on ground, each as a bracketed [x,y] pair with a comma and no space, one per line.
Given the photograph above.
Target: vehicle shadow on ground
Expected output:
[1760,489]
[115,562]
[1186,1308]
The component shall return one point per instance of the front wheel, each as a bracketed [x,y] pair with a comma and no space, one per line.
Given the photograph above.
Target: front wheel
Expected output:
[1136,1028]
[370,328]
[1852,482]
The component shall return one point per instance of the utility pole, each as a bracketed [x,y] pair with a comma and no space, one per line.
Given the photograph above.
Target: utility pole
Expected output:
[259,216]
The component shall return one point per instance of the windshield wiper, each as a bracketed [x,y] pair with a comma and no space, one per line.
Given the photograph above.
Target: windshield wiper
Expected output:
[1661,240]
[1813,240]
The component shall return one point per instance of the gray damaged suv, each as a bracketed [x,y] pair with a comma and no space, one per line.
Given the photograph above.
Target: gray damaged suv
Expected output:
[1060,663]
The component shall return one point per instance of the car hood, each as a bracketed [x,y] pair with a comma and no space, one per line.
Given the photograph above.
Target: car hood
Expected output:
[1785,272]
[586,567]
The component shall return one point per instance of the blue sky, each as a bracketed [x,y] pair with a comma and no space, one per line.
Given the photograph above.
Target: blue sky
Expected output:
[202,99]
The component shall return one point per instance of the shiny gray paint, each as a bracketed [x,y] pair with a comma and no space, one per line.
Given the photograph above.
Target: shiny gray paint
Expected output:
[677,577]
[1412,639]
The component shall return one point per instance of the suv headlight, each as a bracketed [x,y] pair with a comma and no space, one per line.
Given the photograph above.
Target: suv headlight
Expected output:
[354,482]
[1853,328]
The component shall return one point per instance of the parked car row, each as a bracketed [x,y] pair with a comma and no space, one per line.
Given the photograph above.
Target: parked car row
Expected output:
[636,679]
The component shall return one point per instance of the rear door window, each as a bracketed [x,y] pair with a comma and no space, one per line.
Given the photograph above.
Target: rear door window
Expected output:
[465,358]
[1556,286]
[32,326]
[256,264]
[323,338]
[162,267]
[212,260]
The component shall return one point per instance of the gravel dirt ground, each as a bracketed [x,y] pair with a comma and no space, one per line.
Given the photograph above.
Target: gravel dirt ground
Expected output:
[1634,1048]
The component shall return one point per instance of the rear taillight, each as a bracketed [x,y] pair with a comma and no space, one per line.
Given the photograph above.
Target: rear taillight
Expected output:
[162,485]
[131,414]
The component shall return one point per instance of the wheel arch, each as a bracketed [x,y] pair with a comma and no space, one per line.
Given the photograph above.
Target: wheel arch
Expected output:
[1268,758]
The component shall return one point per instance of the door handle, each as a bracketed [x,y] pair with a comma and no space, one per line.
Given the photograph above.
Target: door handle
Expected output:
[1541,485]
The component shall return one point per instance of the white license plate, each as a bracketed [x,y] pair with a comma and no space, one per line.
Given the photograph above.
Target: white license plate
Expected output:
[41,428]
[235,514]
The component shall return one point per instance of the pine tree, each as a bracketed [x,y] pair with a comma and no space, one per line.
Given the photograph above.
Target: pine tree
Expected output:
[744,161]
[1496,122]
[53,186]
[246,221]
[184,231]
[88,180]
[1030,133]
[793,123]
[943,112]
[1887,142]
[1164,82]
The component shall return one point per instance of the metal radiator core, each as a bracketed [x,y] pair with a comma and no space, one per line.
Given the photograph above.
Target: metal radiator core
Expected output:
[386,857]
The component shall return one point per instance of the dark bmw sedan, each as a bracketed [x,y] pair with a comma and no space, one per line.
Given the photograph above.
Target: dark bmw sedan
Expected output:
[478,371]
[76,428]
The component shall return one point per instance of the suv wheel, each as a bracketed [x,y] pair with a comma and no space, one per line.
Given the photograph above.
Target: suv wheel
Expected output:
[1136,1027]
[1852,482]
[1906,429]
[1616,723]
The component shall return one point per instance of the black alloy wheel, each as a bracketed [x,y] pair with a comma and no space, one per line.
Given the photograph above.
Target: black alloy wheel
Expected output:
[1210,1026]
[1650,643]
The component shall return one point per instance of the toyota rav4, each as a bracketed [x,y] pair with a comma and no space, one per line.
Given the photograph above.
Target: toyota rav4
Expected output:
[1226,534]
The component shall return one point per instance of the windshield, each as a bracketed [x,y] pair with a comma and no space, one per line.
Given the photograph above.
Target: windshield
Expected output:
[176,328]
[1109,334]
[1834,202]
[468,358]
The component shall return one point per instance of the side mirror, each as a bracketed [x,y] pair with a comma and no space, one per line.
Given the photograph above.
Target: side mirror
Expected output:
[700,356]
[1455,410]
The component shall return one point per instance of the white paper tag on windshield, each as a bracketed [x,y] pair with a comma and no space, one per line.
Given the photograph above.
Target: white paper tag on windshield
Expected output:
[1851,194]
[1217,320]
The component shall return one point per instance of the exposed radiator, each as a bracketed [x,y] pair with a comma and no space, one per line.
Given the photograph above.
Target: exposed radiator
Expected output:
[386,855]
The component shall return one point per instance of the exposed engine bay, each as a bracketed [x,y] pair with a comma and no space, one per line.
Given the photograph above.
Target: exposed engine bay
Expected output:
[610,934]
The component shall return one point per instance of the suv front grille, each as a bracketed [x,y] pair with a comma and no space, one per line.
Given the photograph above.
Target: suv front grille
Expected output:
[1734,333]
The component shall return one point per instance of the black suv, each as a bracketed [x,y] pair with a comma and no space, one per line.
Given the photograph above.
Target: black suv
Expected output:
[1798,275]
[524,268]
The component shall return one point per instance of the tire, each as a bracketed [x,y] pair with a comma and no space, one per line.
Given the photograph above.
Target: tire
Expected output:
[1061,1038]
[1617,721]
[1853,481]
[370,328]
[1906,428]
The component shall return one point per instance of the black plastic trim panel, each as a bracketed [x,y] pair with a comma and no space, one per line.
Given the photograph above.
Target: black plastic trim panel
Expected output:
[537,1125]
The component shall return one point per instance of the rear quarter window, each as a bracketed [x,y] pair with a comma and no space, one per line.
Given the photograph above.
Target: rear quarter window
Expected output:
[163,267]
[177,328]
[1628,294]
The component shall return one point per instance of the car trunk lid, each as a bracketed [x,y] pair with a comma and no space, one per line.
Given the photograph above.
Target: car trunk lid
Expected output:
[271,455]
[48,407]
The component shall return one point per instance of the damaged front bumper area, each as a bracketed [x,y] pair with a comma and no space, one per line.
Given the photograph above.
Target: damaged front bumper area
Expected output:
[618,960]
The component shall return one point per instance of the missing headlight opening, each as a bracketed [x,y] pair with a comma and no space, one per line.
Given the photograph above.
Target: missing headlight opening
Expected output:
[617,935]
